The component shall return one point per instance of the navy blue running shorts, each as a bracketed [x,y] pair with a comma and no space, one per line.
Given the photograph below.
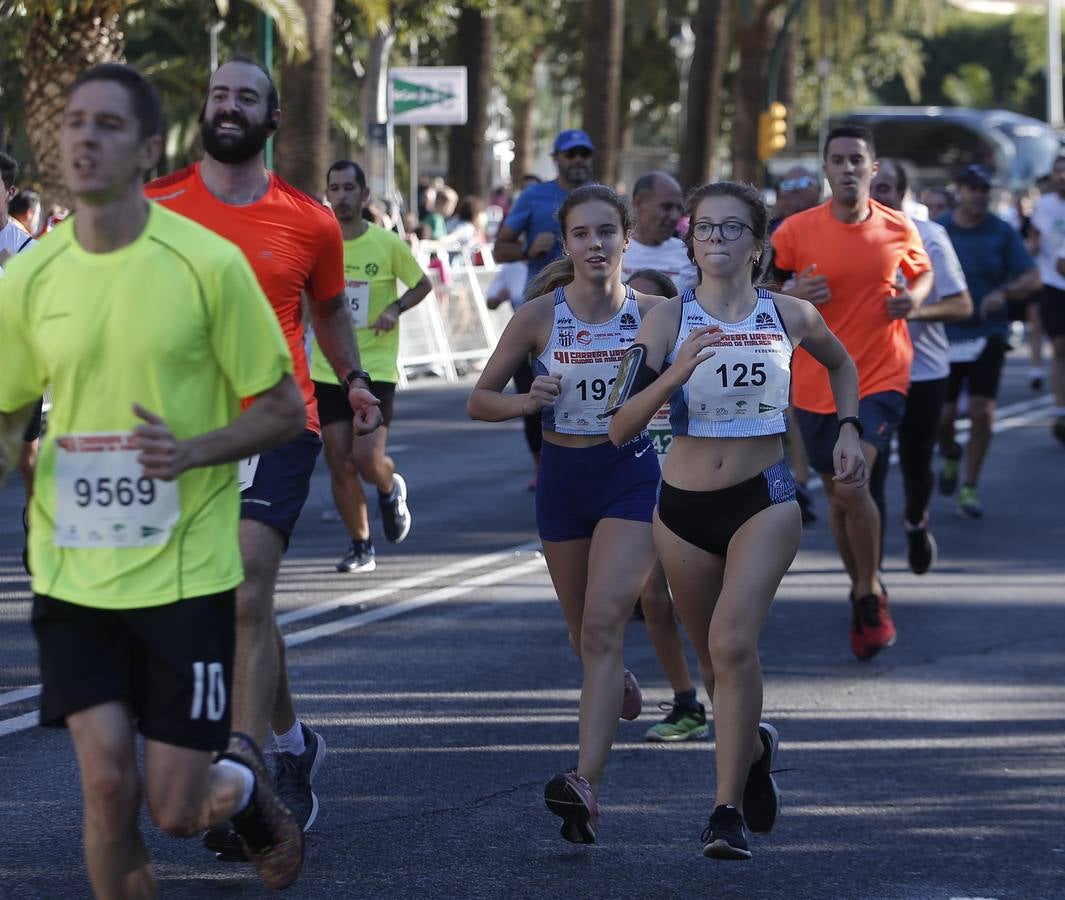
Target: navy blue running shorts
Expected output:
[172,665]
[576,487]
[281,484]
[880,413]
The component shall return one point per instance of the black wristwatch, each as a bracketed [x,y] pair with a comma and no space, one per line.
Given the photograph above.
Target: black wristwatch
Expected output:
[357,375]
[399,302]
[851,420]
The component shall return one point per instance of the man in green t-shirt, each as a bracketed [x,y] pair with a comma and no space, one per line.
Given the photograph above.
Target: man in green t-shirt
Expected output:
[150,330]
[373,259]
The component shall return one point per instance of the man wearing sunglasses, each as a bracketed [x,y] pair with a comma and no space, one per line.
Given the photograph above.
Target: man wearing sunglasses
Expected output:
[533,214]
[799,189]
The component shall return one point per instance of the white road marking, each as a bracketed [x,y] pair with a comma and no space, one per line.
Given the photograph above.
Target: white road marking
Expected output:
[1008,417]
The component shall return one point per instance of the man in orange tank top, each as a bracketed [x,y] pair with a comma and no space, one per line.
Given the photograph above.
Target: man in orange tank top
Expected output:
[865,267]
[294,245]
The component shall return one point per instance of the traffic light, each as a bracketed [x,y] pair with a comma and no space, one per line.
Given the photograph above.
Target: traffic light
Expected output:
[772,131]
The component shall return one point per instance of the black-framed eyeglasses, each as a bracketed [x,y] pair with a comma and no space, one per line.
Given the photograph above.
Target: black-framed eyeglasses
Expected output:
[730,231]
[576,153]
[797,184]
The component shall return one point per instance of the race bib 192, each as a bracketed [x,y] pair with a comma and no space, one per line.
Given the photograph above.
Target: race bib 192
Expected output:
[103,500]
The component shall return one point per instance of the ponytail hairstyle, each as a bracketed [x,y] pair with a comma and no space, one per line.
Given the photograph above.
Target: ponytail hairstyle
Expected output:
[552,276]
[748,195]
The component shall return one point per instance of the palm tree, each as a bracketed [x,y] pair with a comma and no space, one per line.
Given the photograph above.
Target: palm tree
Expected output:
[705,80]
[604,25]
[62,39]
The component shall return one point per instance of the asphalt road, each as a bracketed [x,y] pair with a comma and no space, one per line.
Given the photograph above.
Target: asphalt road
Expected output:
[447,694]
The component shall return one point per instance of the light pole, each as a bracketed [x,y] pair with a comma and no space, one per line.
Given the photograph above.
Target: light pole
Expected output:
[683,44]
[1054,102]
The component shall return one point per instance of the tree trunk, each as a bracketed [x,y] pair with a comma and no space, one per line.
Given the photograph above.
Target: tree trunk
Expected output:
[786,86]
[303,147]
[705,80]
[472,47]
[60,47]
[755,39]
[522,111]
[603,31]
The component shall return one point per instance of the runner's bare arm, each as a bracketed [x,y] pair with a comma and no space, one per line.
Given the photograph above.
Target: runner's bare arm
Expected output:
[508,246]
[805,325]
[333,328]
[657,331]
[389,316]
[12,428]
[952,308]
[524,334]
[277,415]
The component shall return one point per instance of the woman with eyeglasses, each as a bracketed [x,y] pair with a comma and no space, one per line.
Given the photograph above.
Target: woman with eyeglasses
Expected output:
[594,501]
[727,527]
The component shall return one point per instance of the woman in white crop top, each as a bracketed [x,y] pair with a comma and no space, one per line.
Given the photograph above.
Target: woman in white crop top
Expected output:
[594,501]
[722,359]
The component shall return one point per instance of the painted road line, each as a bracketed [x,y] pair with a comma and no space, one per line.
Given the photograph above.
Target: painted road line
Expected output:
[19,695]
[389,611]
[359,620]
[405,584]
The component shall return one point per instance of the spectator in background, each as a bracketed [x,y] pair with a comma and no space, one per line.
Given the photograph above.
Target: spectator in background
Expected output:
[939,202]
[534,212]
[26,210]
[799,189]
[658,205]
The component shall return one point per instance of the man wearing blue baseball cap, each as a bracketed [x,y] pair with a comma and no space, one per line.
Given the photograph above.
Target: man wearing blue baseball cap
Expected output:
[998,268]
[531,231]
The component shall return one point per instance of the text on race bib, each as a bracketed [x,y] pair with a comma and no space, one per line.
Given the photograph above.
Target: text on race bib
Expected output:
[103,500]
[358,297]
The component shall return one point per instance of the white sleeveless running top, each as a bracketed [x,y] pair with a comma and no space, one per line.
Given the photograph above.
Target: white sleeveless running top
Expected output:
[742,390]
[587,357]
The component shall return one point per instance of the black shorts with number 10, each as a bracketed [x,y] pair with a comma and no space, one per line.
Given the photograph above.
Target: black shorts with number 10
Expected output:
[172,665]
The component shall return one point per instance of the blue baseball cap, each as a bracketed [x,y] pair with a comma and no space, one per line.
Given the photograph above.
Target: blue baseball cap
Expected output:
[976,176]
[571,138]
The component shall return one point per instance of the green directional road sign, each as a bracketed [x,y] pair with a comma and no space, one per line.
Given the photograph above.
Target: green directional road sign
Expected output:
[427,95]
[407,96]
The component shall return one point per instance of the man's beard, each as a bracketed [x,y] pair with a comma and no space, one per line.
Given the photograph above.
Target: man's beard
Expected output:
[233,149]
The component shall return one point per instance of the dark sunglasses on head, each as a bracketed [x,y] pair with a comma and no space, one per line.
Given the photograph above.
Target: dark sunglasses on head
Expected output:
[797,184]
[576,153]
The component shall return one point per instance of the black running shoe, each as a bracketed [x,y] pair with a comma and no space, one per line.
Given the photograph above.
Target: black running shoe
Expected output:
[921,547]
[395,517]
[294,776]
[360,558]
[761,796]
[270,834]
[725,836]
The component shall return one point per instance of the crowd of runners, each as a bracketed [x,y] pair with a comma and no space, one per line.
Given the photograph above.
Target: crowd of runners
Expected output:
[682,365]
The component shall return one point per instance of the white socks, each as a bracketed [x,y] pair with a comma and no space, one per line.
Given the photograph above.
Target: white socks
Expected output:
[292,740]
[246,775]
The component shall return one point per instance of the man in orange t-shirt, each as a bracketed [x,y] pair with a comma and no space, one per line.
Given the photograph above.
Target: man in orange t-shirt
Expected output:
[294,245]
[864,266]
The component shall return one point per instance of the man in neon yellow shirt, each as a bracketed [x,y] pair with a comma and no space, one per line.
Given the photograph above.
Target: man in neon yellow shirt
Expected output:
[150,330]
[373,259]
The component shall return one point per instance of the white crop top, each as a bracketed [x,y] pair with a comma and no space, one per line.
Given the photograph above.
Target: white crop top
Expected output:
[587,357]
[743,389]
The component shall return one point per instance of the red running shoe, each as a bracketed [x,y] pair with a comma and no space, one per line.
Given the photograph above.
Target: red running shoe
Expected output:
[871,627]
[570,797]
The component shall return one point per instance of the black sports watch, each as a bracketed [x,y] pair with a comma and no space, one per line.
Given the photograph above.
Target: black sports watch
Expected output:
[851,420]
[357,375]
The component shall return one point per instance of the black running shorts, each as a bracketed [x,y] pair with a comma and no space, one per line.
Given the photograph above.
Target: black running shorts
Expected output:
[333,403]
[172,665]
[982,375]
[1052,311]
